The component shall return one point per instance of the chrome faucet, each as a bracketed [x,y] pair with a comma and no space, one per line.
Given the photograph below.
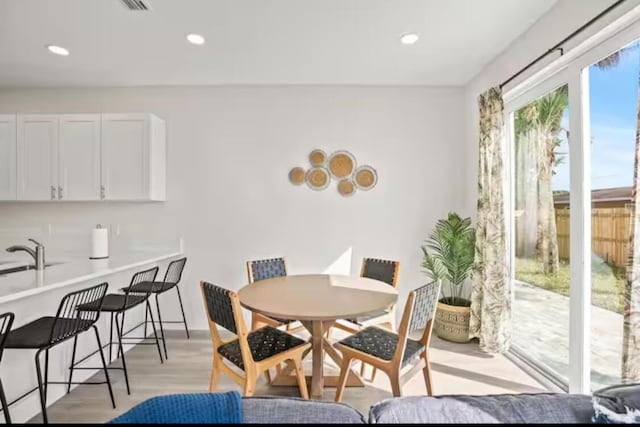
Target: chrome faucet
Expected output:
[37,254]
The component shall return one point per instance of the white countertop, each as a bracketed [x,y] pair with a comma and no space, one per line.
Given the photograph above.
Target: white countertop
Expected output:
[68,270]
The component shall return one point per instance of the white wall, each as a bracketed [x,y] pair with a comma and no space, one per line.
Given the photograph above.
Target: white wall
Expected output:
[564,18]
[229,152]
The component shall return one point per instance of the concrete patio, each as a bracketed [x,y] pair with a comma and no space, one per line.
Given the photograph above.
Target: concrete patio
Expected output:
[541,330]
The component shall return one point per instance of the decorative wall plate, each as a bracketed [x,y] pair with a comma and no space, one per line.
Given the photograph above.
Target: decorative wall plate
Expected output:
[318,178]
[297,175]
[346,187]
[365,177]
[341,164]
[317,158]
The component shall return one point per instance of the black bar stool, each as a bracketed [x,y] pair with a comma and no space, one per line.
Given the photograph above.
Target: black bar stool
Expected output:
[46,332]
[6,320]
[117,305]
[171,279]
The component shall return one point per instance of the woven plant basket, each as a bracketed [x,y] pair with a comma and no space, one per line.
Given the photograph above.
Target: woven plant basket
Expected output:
[452,322]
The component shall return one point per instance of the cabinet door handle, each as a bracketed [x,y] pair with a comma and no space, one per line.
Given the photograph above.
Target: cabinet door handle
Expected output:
[102,192]
[53,192]
[60,193]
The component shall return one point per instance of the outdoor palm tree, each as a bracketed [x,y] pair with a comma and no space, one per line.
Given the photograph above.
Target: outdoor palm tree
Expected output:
[538,127]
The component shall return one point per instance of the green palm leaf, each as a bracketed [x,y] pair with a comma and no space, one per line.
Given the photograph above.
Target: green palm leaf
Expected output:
[449,253]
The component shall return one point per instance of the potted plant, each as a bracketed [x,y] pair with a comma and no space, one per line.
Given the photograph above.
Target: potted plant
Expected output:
[449,255]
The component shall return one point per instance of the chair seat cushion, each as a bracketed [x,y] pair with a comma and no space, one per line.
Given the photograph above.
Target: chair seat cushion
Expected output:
[115,302]
[149,287]
[263,343]
[37,334]
[382,344]
[362,319]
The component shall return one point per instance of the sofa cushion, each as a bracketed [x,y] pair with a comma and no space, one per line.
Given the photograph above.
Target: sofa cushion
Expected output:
[288,410]
[505,408]
[607,413]
[629,394]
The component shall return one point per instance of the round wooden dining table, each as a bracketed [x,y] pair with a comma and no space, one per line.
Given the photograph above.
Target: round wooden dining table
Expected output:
[318,301]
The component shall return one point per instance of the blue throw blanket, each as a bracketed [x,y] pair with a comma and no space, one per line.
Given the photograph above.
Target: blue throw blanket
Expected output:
[195,408]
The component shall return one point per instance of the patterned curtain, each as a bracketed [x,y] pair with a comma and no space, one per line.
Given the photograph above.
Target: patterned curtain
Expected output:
[491,291]
[631,335]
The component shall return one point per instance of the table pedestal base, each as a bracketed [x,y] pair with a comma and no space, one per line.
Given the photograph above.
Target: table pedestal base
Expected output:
[318,380]
[329,380]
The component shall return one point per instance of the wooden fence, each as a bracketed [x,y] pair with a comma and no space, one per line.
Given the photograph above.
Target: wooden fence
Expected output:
[609,234]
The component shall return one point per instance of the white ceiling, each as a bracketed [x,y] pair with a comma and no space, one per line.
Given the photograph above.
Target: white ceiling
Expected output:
[257,41]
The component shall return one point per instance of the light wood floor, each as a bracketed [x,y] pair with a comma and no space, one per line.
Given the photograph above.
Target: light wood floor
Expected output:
[457,369]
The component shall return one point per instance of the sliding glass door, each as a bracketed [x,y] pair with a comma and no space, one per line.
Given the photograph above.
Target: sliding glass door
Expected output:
[575,258]
[541,247]
[613,99]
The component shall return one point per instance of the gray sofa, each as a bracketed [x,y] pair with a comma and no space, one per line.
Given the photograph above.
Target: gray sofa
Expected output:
[553,408]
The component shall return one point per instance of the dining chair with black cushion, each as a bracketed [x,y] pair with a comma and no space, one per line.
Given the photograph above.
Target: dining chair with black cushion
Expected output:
[252,352]
[393,352]
[267,269]
[46,332]
[117,305]
[385,271]
[382,270]
[171,279]
[6,320]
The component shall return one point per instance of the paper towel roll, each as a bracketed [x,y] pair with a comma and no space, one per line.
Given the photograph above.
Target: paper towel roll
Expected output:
[99,243]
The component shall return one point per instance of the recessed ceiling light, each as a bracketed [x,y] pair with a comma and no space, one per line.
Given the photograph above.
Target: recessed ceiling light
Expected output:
[58,50]
[409,38]
[195,39]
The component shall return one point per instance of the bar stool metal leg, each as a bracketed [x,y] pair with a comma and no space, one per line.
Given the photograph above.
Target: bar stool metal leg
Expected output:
[104,366]
[73,361]
[46,374]
[155,334]
[184,319]
[164,341]
[5,407]
[43,396]
[111,339]
[121,350]
[146,320]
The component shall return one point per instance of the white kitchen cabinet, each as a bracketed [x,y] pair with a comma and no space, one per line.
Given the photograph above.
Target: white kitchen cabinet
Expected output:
[79,157]
[82,157]
[133,157]
[8,157]
[37,143]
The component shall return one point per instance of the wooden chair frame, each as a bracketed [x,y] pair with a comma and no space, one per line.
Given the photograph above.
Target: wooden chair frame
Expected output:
[392,367]
[252,369]
[259,319]
[387,320]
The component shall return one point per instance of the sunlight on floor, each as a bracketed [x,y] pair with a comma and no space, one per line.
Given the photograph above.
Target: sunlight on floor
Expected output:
[457,369]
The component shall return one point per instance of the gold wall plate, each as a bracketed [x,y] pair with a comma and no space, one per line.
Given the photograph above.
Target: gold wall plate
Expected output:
[346,187]
[365,177]
[318,178]
[297,175]
[317,158]
[341,164]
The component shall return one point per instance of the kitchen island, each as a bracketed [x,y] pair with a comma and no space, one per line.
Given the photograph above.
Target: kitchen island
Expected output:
[31,294]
